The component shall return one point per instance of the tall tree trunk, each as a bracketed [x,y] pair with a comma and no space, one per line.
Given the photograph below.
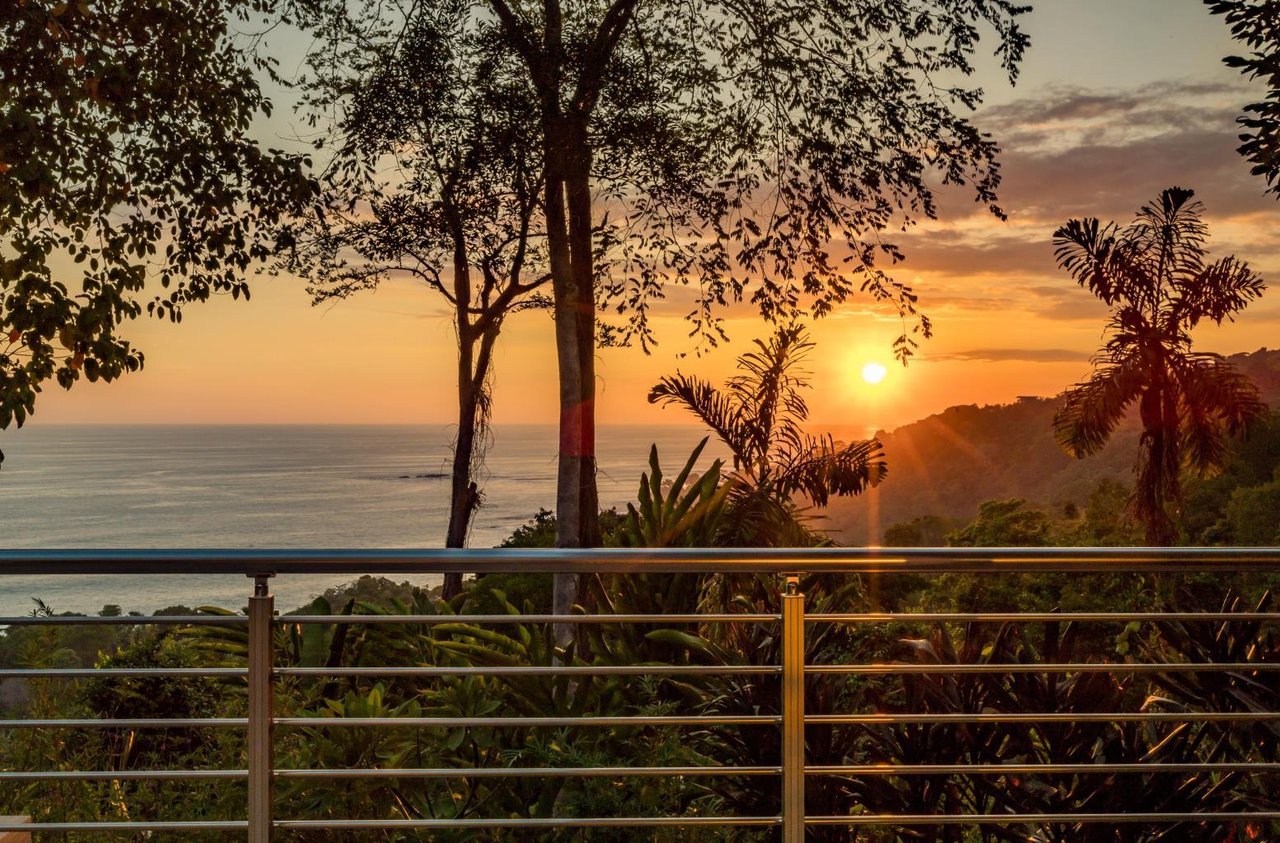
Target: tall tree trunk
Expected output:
[463,492]
[1158,482]
[582,257]
[463,495]
[569,241]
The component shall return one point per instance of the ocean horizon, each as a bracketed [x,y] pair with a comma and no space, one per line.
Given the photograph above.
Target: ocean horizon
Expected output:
[275,486]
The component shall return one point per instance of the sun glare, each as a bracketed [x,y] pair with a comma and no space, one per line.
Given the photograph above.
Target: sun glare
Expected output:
[874,372]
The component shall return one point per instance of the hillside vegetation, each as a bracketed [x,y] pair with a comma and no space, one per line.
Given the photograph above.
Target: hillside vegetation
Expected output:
[949,463]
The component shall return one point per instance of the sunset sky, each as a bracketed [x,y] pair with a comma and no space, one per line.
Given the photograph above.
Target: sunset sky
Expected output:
[1117,100]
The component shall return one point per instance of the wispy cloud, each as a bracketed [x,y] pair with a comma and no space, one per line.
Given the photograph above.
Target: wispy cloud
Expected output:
[1076,153]
[1001,355]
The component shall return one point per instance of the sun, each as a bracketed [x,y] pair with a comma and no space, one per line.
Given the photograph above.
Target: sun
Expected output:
[874,372]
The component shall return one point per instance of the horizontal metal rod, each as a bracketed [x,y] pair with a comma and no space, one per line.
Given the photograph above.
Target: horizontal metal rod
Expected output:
[539,822]
[129,723]
[535,670]
[527,772]
[1038,617]
[629,560]
[128,827]
[124,620]
[1036,769]
[1044,717]
[431,620]
[135,672]
[500,619]
[1036,819]
[1019,667]
[518,722]
[121,775]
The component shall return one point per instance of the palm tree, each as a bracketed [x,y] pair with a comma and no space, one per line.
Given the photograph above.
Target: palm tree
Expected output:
[758,415]
[1154,276]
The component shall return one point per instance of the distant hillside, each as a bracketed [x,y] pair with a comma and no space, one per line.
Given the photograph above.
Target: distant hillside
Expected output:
[949,463]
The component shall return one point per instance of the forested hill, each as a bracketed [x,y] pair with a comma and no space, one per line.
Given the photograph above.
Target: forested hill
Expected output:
[949,463]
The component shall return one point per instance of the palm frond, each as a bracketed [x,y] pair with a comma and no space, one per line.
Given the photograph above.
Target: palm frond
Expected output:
[1216,402]
[1172,229]
[1099,259]
[821,469]
[717,410]
[1217,291]
[771,384]
[1094,407]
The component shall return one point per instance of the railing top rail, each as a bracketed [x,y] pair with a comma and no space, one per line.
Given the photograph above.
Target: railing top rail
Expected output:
[652,560]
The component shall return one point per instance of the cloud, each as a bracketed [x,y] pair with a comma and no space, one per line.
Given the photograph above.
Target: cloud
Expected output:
[957,254]
[1111,181]
[1072,153]
[1003,355]
[1066,302]
[1065,117]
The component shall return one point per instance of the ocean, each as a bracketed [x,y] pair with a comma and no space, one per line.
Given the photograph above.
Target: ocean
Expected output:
[281,486]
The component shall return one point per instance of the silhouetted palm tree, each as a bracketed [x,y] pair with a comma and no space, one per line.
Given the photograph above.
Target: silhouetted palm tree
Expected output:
[1154,276]
[758,415]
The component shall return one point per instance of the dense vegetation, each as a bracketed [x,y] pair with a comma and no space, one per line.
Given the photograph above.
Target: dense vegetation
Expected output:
[694,501]
[464,644]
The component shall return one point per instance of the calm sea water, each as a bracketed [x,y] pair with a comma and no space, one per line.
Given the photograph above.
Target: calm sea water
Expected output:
[271,486]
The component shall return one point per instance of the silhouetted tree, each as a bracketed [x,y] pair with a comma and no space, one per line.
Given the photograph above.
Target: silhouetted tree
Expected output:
[759,415]
[1154,276]
[435,177]
[1006,523]
[123,152]
[924,531]
[755,150]
[1256,24]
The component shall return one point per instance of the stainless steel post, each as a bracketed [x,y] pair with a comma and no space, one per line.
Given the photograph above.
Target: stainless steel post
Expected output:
[793,757]
[261,758]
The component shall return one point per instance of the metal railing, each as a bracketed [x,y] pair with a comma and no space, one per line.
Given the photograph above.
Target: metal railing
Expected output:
[793,768]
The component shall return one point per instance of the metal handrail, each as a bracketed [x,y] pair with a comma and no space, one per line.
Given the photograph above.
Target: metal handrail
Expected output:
[261,674]
[779,561]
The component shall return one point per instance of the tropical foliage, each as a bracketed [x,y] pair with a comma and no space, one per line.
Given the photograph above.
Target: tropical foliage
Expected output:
[679,510]
[1155,276]
[864,788]
[759,415]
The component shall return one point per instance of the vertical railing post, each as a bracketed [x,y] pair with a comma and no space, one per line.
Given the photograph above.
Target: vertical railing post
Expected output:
[261,753]
[793,758]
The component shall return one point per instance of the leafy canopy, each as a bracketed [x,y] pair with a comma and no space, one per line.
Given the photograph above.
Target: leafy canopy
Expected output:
[125,160]
[1254,24]
[741,151]
[434,173]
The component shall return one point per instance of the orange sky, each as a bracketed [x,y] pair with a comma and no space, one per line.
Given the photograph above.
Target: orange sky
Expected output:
[1116,102]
